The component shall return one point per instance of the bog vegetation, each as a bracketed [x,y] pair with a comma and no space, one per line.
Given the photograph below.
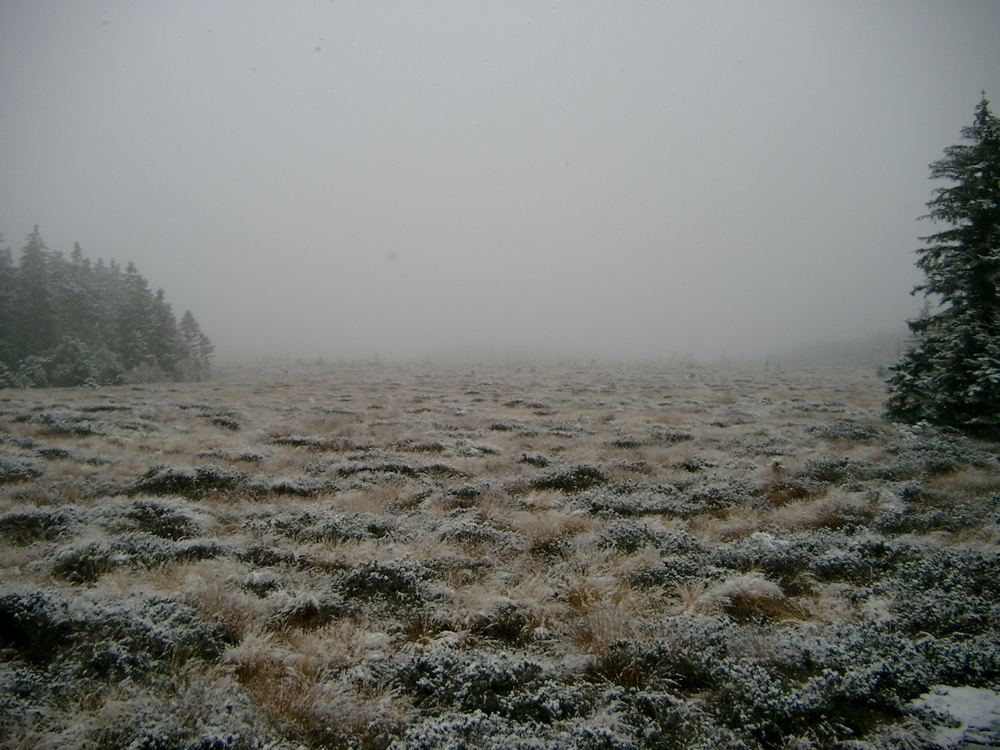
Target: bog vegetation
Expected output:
[68,321]
[385,557]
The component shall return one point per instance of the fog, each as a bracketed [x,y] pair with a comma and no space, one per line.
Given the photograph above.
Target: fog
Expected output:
[612,180]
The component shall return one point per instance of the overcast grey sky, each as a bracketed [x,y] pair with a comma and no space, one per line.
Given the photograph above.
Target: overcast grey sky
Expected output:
[615,179]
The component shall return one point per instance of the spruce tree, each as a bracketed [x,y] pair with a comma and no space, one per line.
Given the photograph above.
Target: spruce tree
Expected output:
[951,374]
[33,318]
[7,277]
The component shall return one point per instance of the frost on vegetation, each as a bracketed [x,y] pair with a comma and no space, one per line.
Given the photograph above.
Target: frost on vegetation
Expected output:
[27,524]
[198,481]
[475,533]
[86,560]
[847,430]
[189,481]
[15,468]
[837,470]
[716,494]
[628,536]
[376,463]
[402,582]
[169,518]
[325,525]
[946,592]
[313,442]
[103,639]
[570,479]
[931,452]
[68,423]
[661,435]
[628,501]
[250,457]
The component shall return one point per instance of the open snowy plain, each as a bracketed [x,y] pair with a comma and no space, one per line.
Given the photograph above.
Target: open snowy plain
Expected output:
[421,557]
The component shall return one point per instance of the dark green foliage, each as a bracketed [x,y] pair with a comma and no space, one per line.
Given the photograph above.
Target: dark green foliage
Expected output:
[68,322]
[951,374]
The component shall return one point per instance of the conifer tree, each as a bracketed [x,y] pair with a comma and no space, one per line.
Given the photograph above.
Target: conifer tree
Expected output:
[33,321]
[951,374]
[7,276]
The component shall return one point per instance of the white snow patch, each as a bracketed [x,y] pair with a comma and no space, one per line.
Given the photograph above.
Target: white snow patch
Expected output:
[975,710]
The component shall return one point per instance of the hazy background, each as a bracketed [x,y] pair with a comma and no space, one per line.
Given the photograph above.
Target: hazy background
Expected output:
[609,179]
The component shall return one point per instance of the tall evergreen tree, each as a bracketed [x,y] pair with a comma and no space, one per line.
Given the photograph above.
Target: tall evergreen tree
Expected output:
[951,374]
[197,348]
[7,277]
[33,320]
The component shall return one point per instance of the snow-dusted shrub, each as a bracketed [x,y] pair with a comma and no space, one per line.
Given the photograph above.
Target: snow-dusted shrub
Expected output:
[946,592]
[672,571]
[326,525]
[168,479]
[475,533]
[684,657]
[837,470]
[921,520]
[68,423]
[263,556]
[33,623]
[376,463]
[628,442]
[443,679]
[14,468]
[459,731]
[773,445]
[43,627]
[715,494]
[225,421]
[661,435]
[55,453]
[198,711]
[628,536]
[534,459]
[313,442]
[27,524]
[189,550]
[462,495]
[627,500]
[83,562]
[695,464]
[847,430]
[963,659]
[787,559]
[571,478]
[931,452]
[299,486]
[402,582]
[262,582]
[246,456]
[172,518]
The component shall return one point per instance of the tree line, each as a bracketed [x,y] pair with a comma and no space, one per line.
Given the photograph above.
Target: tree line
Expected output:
[69,322]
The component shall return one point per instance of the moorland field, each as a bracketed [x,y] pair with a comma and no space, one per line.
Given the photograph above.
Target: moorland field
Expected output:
[566,556]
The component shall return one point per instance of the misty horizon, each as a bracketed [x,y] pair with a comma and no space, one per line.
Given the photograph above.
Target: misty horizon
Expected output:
[445,180]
